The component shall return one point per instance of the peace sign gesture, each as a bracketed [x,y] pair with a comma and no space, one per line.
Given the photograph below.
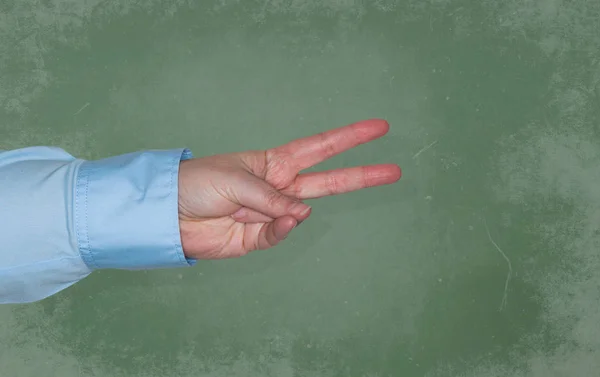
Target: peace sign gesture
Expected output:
[235,203]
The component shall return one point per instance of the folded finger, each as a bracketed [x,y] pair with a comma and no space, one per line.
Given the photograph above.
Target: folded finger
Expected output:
[247,215]
[270,234]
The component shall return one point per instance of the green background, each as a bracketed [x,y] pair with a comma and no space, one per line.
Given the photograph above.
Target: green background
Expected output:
[400,280]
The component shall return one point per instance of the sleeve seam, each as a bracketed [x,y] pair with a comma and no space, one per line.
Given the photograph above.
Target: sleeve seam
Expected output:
[82,194]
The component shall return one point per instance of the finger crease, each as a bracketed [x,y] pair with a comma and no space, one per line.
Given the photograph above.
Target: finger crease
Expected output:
[366,177]
[332,183]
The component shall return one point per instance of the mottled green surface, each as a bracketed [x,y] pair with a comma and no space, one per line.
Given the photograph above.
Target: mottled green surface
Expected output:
[393,281]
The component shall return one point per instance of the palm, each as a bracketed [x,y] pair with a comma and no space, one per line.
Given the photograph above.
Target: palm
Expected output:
[216,224]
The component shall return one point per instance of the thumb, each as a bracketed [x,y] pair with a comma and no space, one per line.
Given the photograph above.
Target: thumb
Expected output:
[258,195]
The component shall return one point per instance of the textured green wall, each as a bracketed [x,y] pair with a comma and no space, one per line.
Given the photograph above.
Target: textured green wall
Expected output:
[495,110]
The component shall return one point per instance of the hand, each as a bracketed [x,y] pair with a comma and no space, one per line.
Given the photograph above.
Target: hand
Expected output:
[234,203]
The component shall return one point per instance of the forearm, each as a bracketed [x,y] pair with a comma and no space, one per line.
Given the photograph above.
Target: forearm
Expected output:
[62,218]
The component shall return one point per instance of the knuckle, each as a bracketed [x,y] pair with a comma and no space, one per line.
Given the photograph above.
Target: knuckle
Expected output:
[327,145]
[333,184]
[273,197]
[243,253]
[366,177]
[280,169]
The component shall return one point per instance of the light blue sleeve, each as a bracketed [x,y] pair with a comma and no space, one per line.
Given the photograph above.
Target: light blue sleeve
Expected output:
[62,218]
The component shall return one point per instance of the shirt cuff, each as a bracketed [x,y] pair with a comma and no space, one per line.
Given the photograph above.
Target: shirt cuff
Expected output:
[126,211]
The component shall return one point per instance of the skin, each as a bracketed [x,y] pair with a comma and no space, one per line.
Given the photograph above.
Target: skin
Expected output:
[232,204]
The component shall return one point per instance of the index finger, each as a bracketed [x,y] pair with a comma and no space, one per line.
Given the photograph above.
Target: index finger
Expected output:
[310,151]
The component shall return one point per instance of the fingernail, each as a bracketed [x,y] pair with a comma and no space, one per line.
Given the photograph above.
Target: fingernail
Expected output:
[305,211]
